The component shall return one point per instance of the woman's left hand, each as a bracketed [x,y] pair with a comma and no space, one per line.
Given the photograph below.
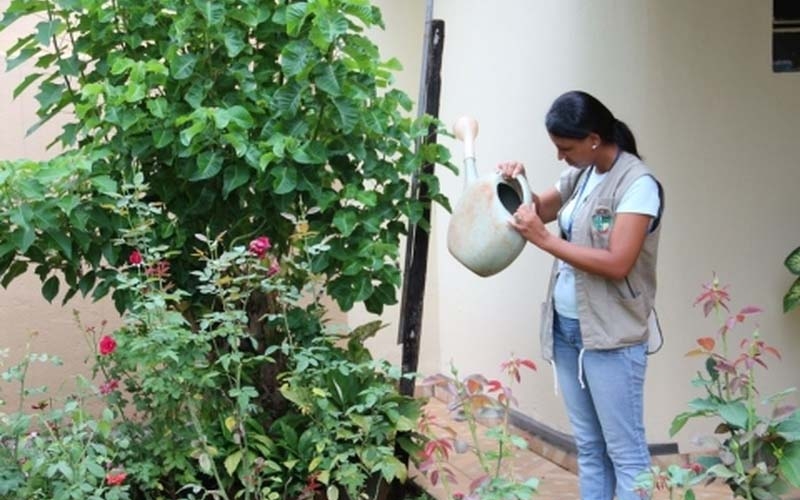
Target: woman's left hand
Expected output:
[530,225]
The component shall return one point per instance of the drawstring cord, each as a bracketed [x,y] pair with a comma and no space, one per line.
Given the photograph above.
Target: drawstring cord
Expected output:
[580,368]
[580,372]
[555,377]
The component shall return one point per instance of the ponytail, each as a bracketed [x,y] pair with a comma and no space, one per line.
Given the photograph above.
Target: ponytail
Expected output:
[623,138]
[577,114]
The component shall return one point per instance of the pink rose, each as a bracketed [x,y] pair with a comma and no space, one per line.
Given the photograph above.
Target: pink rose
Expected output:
[274,268]
[259,246]
[135,258]
[159,270]
[107,345]
[109,387]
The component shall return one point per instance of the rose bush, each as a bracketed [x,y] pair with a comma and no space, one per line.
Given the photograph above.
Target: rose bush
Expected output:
[222,160]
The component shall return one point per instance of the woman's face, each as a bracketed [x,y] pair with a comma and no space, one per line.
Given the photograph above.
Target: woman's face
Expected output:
[579,153]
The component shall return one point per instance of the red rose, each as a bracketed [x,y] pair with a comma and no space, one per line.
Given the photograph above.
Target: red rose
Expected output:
[135,258]
[115,478]
[107,345]
[259,246]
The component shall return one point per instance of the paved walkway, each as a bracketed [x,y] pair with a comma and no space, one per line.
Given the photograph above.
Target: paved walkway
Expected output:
[556,482]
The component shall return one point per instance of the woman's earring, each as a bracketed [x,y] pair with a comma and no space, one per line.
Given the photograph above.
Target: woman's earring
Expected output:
[594,146]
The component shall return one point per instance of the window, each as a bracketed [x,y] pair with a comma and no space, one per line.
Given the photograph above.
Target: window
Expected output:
[786,36]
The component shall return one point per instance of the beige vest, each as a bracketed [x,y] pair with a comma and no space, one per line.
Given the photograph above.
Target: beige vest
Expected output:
[612,314]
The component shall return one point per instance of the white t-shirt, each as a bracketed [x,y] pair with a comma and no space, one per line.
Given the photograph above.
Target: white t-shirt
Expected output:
[640,198]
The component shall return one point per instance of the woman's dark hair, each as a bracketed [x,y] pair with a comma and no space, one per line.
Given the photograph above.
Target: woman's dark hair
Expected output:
[577,114]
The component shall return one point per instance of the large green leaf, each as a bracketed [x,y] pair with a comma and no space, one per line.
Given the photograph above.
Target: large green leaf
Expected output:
[234,177]
[327,81]
[26,83]
[209,164]
[17,268]
[792,261]
[296,56]
[345,221]
[789,429]
[234,42]
[49,94]
[792,297]
[295,17]
[182,66]
[50,288]
[23,56]
[735,414]
[287,98]
[284,179]
[213,12]
[240,116]
[679,421]
[327,28]
[348,114]
[790,464]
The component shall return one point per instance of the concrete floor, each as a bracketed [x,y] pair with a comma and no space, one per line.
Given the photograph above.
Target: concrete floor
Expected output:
[555,482]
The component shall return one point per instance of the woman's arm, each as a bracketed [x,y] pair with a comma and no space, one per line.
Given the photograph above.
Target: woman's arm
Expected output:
[615,262]
[548,204]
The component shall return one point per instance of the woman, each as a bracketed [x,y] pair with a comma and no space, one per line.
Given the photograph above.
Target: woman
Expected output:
[602,289]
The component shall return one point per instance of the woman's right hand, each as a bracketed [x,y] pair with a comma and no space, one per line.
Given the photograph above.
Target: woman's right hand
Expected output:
[511,169]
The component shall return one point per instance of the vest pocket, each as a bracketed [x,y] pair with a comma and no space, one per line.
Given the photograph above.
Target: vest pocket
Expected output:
[630,318]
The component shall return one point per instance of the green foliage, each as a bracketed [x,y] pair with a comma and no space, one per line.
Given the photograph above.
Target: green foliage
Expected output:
[758,452]
[182,412]
[52,216]
[233,111]
[792,297]
[476,398]
[352,416]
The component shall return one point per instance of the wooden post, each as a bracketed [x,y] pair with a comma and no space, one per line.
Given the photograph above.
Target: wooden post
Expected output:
[416,259]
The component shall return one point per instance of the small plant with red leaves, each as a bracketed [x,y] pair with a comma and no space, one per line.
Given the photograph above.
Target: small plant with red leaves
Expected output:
[476,399]
[757,438]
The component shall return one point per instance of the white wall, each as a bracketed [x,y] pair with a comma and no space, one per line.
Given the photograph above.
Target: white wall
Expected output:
[694,82]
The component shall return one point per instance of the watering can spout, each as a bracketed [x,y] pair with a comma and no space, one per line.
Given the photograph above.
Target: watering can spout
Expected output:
[466,130]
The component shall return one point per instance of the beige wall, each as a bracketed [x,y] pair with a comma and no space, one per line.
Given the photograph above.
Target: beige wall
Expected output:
[694,82]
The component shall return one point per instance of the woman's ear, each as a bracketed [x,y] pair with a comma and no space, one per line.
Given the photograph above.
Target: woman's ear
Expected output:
[595,140]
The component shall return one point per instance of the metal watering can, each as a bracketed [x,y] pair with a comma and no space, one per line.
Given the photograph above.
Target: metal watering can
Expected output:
[478,234]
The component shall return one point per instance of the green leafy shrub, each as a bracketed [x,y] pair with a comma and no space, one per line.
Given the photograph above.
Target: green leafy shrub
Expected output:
[233,111]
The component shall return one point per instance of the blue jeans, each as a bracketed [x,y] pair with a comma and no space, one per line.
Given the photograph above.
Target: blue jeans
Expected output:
[606,415]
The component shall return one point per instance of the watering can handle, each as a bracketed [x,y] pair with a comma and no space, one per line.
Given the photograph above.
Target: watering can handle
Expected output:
[524,188]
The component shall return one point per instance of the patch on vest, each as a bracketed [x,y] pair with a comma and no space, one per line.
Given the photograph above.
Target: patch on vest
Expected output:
[601,219]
